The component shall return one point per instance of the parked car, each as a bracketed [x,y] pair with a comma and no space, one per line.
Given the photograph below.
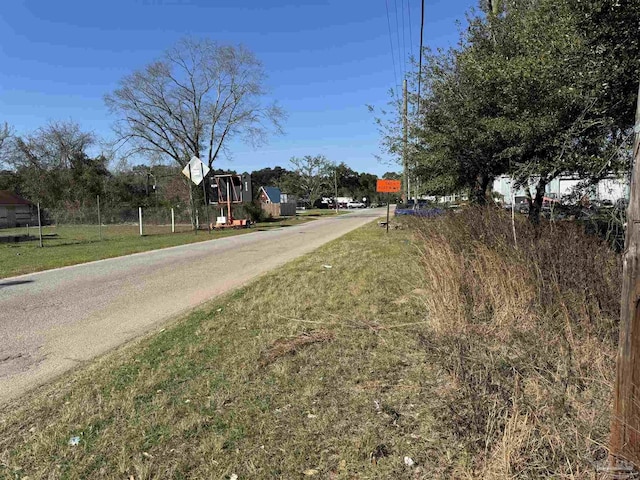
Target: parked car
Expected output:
[356,205]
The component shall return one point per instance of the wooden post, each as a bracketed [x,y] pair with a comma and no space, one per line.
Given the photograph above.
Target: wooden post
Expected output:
[173,221]
[624,442]
[405,129]
[140,219]
[99,219]
[39,225]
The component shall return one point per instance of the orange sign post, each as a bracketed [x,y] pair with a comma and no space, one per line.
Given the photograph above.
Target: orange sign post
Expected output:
[388,186]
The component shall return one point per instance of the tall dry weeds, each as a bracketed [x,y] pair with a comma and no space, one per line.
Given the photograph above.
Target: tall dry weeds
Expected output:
[527,337]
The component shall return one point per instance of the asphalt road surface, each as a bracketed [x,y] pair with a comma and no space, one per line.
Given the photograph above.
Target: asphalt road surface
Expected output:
[55,320]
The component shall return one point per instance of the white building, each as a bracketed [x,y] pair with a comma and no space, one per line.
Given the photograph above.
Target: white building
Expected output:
[611,189]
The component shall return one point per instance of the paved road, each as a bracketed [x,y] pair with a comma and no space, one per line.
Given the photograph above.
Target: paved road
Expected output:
[52,321]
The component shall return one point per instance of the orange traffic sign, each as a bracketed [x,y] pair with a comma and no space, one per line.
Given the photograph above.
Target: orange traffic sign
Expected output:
[388,186]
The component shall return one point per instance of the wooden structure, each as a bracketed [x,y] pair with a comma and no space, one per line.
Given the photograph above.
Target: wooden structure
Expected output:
[271,203]
[15,211]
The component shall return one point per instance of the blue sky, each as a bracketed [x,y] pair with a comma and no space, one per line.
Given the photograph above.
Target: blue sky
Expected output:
[326,60]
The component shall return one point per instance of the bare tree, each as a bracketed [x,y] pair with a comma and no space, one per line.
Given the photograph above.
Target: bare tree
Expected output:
[6,136]
[52,146]
[193,101]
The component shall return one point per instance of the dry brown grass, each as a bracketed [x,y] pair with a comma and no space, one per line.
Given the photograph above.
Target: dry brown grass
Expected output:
[290,345]
[526,337]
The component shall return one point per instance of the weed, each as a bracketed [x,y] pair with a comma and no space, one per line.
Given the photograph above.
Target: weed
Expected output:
[526,336]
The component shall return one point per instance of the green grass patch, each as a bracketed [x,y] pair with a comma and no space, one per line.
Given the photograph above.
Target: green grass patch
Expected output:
[308,369]
[321,212]
[70,245]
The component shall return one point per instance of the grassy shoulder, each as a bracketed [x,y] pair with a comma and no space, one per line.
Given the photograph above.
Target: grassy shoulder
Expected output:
[309,370]
[321,212]
[71,245]
[441,342]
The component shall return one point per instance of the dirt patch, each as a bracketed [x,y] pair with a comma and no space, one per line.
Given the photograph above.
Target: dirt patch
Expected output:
[290,345]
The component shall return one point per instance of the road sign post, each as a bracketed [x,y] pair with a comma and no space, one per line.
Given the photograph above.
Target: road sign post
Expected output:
[387,212]
[388,187]
[195,171]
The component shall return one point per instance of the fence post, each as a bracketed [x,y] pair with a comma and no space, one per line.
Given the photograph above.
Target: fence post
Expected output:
[140,219]
[39,225]
[99,220]
[173,221]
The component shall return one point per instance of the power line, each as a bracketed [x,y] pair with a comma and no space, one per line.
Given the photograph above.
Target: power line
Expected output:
[404,46]
[420,55]
[393,56]
[402,66]
[410,29]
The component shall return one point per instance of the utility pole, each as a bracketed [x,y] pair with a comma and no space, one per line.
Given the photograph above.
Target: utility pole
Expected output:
[404,140]
[624,442]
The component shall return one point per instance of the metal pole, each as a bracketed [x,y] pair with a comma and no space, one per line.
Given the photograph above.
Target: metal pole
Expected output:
[99,220]
[140,219]
[173,221]
[192,200]
[204,194]
[388,211]
[39,225]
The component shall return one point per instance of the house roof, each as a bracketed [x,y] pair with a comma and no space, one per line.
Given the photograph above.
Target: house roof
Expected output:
[7,197]
[273,193]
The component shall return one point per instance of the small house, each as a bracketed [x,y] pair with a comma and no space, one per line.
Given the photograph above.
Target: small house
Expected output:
[15,211]
[275,203]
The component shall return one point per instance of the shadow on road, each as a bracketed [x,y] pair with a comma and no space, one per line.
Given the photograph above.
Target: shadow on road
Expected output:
[14,283]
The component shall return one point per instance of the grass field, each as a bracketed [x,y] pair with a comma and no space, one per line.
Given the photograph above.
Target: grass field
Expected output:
[309,371]
[70,245]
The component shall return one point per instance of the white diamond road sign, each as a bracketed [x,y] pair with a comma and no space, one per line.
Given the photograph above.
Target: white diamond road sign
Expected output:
[195,170]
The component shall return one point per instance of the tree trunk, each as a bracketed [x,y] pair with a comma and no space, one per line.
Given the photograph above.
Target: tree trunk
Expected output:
[535,204]
[479,189]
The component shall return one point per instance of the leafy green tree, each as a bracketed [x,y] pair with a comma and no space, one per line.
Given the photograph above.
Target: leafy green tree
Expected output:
[308,178]
[267,177]
[527,93]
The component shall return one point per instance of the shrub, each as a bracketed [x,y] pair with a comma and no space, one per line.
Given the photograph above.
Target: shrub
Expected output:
[526,336]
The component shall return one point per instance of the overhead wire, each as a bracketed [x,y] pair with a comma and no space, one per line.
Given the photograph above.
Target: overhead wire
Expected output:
[420,55]
[402,65]
[404,46]
[410,29]
[393,55]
